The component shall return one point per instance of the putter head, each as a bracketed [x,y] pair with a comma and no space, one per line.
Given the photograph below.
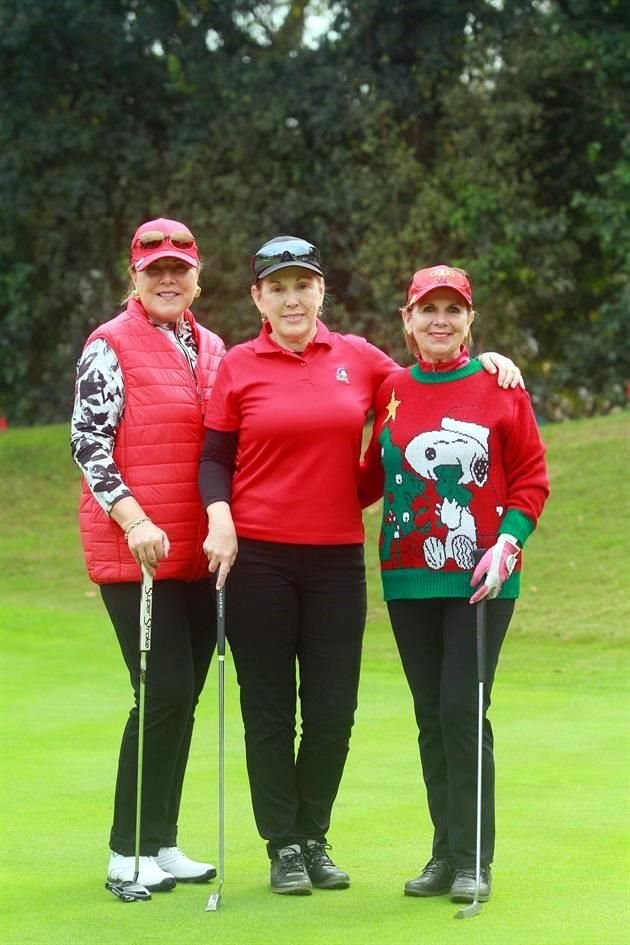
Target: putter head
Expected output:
[469,911]
[213,902]
[129,891]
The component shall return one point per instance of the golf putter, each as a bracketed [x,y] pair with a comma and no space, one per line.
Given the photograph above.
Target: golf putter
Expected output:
[214,899]
[132,890]
[475,906]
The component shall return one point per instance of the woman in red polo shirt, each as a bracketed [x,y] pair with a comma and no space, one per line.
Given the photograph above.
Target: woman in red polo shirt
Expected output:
[279,478]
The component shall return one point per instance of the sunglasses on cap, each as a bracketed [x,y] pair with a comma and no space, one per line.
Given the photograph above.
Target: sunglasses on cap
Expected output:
[282,252]
[154,239]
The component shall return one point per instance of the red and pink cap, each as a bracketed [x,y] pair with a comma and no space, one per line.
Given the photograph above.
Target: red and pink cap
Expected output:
[157,239]
[436,277]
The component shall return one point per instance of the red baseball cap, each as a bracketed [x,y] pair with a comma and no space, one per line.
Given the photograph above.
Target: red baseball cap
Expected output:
[159,238]
[424,280]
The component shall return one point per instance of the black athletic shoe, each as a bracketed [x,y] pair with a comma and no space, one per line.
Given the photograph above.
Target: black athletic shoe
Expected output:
[288,872]
[322,871]
[434,880]
[463,885]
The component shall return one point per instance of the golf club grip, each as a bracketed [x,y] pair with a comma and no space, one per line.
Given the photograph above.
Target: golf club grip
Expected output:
[221,622]
[481,641]
[146,611]
[480,618]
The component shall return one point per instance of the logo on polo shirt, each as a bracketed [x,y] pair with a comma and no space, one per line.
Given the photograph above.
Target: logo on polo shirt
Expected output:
[342,375]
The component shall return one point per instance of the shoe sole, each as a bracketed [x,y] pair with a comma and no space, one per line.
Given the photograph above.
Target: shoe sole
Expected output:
[292,890]
[426,894]
[469,897]
[204,878]
[165,886]
[332,884]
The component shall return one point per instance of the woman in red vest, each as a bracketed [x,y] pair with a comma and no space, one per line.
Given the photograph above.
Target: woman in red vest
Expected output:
[137,429]
[280,470]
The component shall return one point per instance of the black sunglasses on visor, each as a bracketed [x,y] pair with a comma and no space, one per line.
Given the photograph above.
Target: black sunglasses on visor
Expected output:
[284,251]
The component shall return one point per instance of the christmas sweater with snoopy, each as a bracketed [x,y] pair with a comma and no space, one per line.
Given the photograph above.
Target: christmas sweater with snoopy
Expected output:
[458,461]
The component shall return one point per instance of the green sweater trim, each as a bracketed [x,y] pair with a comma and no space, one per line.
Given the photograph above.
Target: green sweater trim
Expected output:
[445,377]
[517,524]
[422,583]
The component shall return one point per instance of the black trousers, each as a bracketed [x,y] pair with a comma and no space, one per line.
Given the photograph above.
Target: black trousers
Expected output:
[437,644]
[296,608]
[183,639]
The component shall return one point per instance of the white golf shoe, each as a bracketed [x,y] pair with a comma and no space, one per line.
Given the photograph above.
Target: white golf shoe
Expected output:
[185,870]
[122,869]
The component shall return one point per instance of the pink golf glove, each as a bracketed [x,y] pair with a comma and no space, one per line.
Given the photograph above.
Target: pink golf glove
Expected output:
[497,564]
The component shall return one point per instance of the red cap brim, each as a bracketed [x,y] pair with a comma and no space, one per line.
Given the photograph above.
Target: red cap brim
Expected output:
[142,259]
[420,294]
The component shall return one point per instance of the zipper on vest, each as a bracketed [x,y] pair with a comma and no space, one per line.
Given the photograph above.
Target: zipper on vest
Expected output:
[182,347]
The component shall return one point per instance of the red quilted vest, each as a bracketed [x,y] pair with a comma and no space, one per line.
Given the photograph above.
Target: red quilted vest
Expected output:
[157,448]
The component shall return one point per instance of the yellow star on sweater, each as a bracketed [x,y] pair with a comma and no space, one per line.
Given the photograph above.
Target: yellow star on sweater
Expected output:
[392,407]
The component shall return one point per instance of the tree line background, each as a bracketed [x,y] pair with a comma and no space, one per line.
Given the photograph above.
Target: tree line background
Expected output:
[490,134]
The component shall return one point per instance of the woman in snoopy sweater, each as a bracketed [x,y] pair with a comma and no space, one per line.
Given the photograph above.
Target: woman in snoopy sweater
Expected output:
[461,466]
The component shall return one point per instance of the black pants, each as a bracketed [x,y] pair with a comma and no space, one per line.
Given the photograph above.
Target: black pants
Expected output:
[437,644]
[183,639]
[288,606]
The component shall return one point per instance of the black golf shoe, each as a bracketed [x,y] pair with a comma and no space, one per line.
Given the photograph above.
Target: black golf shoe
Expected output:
[434,880]
[288,872]
[322,871]
[463,885]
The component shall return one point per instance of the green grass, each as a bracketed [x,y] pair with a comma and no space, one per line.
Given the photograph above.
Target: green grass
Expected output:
[560,713]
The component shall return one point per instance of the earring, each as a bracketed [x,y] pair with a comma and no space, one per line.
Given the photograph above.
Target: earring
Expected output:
[263,317]
[197,291]
[135,294]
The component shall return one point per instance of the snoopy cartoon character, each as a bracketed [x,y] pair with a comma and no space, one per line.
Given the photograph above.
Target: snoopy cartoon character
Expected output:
[453,456]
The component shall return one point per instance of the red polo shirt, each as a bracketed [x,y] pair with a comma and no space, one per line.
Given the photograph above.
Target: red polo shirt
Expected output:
[299,419]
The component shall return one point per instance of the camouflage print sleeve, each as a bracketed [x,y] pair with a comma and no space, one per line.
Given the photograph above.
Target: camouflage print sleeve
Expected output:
[98,407]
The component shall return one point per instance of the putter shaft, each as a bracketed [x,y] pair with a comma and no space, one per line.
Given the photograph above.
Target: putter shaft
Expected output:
[475,908]
[214,899]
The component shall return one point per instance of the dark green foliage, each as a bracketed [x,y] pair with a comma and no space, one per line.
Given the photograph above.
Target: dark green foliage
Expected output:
[492,136]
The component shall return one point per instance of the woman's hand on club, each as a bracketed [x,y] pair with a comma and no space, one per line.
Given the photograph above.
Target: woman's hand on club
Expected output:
[495,568]
[221,544]
[149,545]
